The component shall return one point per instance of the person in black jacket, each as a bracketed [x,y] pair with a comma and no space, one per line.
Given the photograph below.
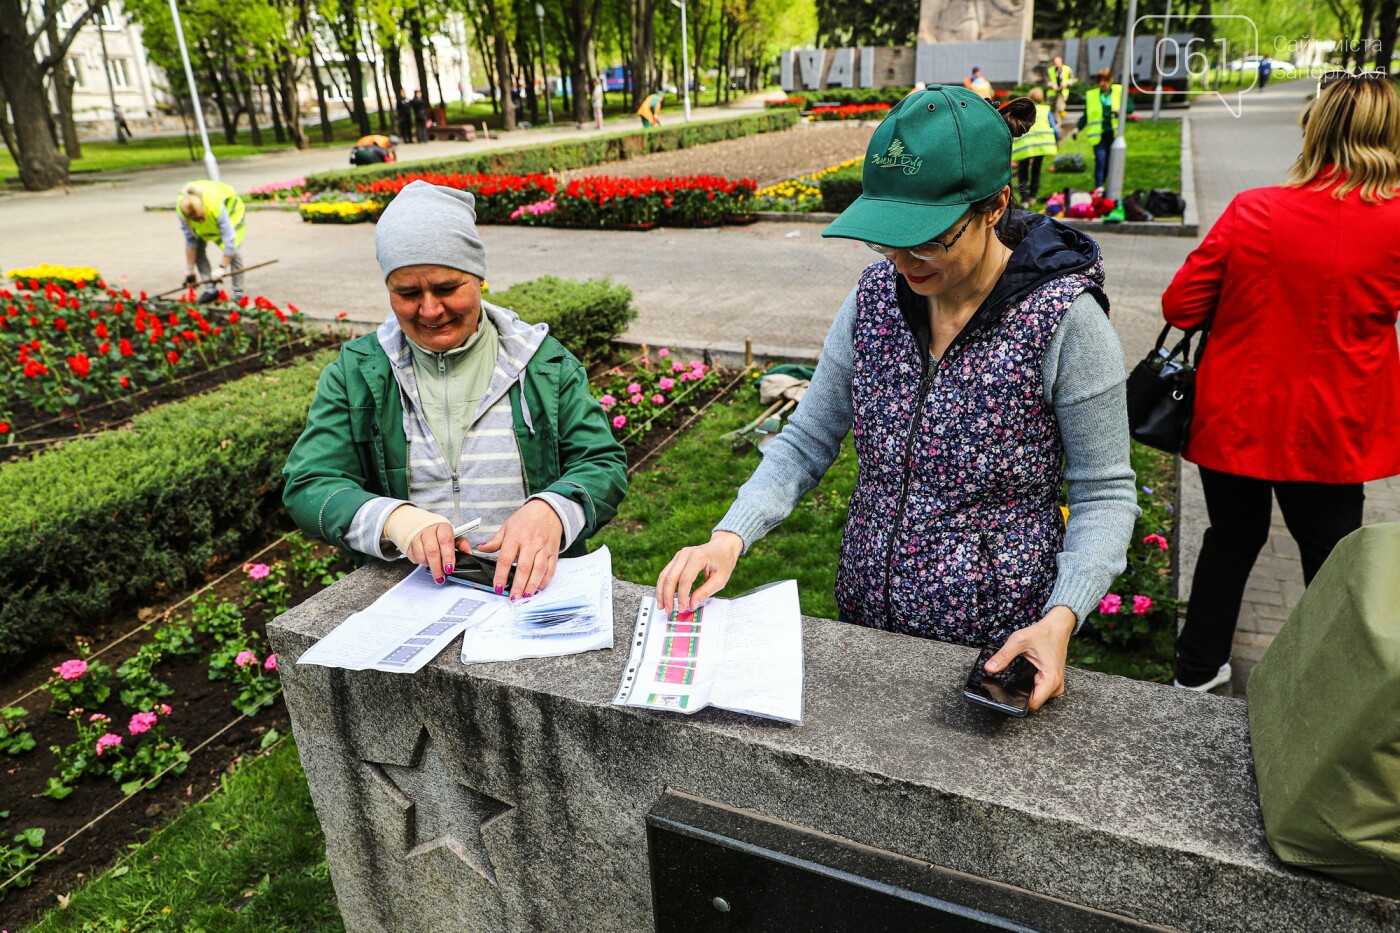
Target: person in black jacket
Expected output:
[405,114]
[420,116]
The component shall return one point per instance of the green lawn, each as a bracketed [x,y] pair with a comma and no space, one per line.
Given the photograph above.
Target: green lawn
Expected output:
[252,858]
[1154,159]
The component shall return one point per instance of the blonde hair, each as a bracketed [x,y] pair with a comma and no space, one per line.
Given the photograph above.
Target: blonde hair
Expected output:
[1351,134]
[191,202]
[1036,94]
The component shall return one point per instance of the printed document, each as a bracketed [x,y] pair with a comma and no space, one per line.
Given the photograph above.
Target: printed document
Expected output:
[742,654]
[571,615]
[406,627]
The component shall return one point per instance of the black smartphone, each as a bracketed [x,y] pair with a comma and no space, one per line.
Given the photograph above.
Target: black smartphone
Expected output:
[1008,692]
[479,571]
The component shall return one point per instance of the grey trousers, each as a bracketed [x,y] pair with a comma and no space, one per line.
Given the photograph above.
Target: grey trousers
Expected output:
[201,262]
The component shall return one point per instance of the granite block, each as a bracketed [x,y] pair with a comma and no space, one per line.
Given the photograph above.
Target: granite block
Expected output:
[513,796]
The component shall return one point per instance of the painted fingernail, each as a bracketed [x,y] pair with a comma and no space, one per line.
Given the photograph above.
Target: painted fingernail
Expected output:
[447,569]
[528,595]
[499,590]
[439,580]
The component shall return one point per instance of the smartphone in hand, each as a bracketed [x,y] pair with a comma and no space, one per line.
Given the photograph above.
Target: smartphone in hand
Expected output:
[1008,692]
[479,571]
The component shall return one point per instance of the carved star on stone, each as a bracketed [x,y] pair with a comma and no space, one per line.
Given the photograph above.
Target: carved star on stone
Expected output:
[439,810]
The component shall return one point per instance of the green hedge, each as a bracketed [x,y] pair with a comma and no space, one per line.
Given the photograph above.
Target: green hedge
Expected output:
[570,153]
[839,189]
[134,512]
[856,95]
[583,316]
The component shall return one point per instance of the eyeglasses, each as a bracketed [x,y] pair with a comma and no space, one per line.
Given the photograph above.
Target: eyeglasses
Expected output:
[933,249]
[1329,78]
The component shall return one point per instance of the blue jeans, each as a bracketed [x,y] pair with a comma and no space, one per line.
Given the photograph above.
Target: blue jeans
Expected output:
[1101,155]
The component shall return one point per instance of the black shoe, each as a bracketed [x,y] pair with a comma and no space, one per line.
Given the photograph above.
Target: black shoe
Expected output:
[208,295]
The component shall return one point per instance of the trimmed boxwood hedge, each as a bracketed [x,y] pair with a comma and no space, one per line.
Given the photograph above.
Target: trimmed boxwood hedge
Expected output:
[583,316]
[146,509]
[839,189]
[567,154]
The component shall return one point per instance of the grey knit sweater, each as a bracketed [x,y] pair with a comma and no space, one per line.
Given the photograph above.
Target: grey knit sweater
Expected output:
[1084,382]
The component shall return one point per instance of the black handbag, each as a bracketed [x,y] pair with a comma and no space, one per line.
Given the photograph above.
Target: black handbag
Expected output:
[1162,390]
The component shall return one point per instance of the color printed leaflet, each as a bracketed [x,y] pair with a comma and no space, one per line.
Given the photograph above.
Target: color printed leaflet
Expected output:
[742,654]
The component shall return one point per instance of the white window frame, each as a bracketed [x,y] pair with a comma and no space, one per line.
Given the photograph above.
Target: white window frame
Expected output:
[108,19]
[75,68]
[116,73]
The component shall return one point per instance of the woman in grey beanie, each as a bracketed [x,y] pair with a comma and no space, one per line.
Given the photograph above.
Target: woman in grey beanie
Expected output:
[456,426]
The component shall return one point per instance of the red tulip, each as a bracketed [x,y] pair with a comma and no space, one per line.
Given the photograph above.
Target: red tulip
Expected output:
[101,330]
[172,357]
[80,365]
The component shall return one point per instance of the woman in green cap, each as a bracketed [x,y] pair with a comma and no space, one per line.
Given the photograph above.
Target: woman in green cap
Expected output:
[977,368]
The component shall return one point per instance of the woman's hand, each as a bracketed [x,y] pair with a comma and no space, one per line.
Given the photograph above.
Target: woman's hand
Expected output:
[530,540]
[1044,645]
[426,539]
[716,559]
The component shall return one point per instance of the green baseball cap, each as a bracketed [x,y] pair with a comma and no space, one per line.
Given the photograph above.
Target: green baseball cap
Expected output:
[937,152]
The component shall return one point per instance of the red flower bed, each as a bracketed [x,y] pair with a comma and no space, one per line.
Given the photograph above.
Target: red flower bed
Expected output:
[853,112]
[595,202]
[62,348]
[496,195]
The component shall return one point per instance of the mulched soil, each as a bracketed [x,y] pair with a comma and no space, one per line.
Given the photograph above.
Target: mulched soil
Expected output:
[767,158]
[201,708]
[37,431]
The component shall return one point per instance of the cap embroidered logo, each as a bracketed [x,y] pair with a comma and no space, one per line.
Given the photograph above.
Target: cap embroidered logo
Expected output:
[897,157]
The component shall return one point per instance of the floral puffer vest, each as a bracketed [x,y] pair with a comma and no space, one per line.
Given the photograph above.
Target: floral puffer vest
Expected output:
[954,524]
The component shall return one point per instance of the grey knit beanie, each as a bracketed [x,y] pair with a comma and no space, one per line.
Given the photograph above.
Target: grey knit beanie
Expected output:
[430,225]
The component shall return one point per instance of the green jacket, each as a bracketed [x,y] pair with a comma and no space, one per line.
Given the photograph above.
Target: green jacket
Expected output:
[353,447]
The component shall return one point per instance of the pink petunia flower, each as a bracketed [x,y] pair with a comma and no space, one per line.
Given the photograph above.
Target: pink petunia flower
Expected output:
[141,722]
[663,352]
[97,717]
[678,367]
[257,571]
[636,399]
[110,740]
[271,663]
[1110,604]
[1141,605]
[619,421]
[71,670]
[666,384]
[633,389]
[658,399]
[244,658]
[1158,540]
[165,709]
[607,401]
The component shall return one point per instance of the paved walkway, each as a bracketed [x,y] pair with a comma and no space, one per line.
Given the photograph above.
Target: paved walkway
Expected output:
[1233,155]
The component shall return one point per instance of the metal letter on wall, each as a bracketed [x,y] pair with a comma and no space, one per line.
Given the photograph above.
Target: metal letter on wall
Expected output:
[867,66]
[810,61]
[1103,53]
[842,70]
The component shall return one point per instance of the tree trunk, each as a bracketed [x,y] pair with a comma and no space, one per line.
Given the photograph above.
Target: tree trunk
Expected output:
[230,125]
[393,64]
[326,133]
[525,61]
[488,62]
[415,39]
[250,105]
[374,73]
[274,110]
[41,164]
[349,48]
[437,80]
[291,100]
[643,42]
[6,130]
[1386,34]
[63,94]
[1361,46]
[501,42]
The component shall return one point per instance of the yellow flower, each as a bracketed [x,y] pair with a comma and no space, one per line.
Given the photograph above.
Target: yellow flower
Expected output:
[60,273]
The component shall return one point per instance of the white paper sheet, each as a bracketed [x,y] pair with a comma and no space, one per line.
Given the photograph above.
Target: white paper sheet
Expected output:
[405,628]
[571,615]
[742,654]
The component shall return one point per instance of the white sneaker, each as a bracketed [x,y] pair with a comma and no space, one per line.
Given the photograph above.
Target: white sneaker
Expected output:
[1221,677]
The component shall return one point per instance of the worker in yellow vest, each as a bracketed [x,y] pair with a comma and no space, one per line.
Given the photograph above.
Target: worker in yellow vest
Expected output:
[212,212]
[650,110]
[1029,149]
[1101,119]
[1061,78]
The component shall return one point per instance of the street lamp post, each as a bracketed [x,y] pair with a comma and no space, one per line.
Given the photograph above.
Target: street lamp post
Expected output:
[1157,65]
[544,64]
[211,166]
[685,59]
[1118,152]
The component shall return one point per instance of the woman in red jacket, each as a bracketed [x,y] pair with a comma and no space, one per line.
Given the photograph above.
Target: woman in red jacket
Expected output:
[1298,392]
